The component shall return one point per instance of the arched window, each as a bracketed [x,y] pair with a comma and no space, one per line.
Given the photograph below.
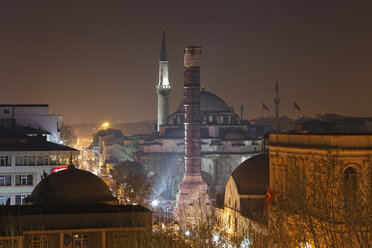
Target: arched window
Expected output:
[350,186]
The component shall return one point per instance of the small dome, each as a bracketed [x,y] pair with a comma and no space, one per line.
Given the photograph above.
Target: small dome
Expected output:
[252,175]
[209,103]
[71,186]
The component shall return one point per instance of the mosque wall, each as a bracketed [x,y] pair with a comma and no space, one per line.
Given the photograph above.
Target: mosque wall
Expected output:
[169,168]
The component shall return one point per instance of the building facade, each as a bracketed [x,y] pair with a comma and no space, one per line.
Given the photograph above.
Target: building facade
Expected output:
[33,115]
[24,160]
[323,187]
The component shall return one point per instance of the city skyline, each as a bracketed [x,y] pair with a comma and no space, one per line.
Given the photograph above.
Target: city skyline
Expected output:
[98,62]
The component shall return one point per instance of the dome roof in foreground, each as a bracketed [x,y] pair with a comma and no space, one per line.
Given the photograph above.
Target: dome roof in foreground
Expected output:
[71,186]
[252,175]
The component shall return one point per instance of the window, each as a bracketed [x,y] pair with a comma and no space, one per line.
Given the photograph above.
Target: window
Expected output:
[19,160]
[46,160]
[20,199]
[53,160]
[23,180]
[5,160]
[210,119]
[80,241]
[5,180]
[120,240]
[31,160]
[39,242]
[351,186]
[4,199]
[40,160]
[6,111]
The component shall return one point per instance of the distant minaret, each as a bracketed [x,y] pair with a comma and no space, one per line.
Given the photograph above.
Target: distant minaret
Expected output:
[163,88]
[277,101]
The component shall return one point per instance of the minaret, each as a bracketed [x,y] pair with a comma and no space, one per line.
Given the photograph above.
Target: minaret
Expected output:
[163,88]
[277,101]
[192,197]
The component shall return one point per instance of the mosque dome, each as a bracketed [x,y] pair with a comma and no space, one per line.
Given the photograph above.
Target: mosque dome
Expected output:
[71,186]
[209,103]
[252,175]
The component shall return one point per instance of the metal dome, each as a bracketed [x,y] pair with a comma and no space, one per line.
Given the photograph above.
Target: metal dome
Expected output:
[71,186]
[209,103]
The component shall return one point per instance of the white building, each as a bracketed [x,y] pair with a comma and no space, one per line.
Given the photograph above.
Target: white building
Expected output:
[23,160]
[33,115]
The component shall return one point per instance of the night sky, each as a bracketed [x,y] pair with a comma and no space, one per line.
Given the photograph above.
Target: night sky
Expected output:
[98,60]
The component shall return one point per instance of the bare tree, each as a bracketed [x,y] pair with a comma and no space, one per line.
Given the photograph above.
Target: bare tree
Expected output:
[323,202]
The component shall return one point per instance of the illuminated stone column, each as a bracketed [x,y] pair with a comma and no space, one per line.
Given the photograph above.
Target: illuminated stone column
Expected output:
[163,88]
[192,197]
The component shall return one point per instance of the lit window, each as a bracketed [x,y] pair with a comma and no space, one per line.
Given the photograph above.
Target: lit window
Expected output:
[39,242]
[40,160]
[24,180]
[80,241]
[5,180]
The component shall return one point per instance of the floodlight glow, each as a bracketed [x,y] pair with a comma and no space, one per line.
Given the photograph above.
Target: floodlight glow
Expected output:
[187,233]
[155,203]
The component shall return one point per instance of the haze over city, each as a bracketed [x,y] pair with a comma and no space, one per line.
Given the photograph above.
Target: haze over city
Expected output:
[98,60]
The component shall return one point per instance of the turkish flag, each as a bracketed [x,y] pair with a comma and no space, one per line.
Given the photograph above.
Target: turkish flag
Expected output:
[269,197]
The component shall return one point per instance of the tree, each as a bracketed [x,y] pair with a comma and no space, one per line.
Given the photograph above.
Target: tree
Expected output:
[323,202]
[134,181]
[67,135]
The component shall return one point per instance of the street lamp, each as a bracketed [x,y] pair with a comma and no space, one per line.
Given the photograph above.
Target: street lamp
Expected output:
[105,125]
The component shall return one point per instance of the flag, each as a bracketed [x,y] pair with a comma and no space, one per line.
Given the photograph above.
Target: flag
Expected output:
[265,107]
[269,197]
[295,105]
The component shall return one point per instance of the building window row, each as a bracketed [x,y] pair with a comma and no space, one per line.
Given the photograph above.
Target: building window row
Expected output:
[6,198]
[20,180]
[36,160]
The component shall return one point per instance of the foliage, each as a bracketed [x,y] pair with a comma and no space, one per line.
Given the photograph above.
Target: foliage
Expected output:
[133,179]
[67,135]
[129,150]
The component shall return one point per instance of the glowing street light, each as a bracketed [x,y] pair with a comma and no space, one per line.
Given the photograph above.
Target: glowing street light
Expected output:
[187,233]
[105,125]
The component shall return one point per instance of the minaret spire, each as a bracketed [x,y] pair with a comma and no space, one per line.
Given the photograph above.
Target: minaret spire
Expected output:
[163,88]
[163,52]
[277,101]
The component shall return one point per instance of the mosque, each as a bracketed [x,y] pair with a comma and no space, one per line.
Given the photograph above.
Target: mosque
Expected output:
[225,139]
